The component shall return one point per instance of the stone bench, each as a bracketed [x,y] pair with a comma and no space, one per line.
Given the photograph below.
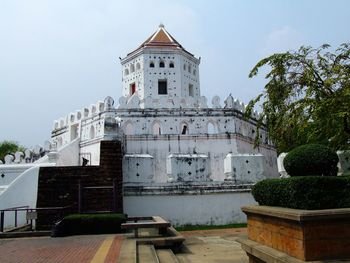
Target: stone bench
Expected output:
[157,222]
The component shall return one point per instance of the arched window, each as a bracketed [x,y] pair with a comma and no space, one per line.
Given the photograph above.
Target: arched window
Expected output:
[132,68]
[157,129]
[92,132]
[151,64]
[171,64]
[126,72]
[184,128]
[161,64]
[212,128]
[138,67]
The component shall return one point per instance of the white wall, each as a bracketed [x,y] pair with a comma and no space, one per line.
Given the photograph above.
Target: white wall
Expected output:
[188,167]
[207,209]
[68,155]
[21,192]
[216,147]
[138,168]
[245,168]
[91,150]
[11,172]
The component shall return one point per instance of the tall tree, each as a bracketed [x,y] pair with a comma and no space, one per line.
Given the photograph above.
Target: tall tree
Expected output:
[7,147]
[307,97]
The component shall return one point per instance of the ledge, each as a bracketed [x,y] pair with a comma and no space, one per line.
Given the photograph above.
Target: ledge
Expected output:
[297,214]
[268,254]
[185,189]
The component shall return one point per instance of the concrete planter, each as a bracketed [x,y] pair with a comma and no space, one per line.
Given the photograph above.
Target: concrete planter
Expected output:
[277,234]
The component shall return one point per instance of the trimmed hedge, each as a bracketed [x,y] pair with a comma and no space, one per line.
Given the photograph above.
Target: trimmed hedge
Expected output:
[311,160]
[309,192]
[80,224]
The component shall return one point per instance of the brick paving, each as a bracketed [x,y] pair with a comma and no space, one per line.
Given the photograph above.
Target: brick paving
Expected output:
[113,253]
[72,249]
[206,245]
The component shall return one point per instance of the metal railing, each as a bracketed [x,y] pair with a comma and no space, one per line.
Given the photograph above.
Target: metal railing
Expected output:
[11,209]
[31,214]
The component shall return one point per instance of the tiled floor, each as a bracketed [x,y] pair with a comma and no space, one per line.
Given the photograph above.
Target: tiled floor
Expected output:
[74,249]
[200,246]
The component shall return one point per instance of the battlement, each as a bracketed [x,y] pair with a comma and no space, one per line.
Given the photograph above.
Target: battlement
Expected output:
[85,113]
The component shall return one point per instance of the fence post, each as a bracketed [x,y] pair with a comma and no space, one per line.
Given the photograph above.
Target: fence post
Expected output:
[16,218]
[114,207]
[2,217]
[79,197]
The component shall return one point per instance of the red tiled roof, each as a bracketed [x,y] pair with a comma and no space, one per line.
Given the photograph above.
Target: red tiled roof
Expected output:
[161,39]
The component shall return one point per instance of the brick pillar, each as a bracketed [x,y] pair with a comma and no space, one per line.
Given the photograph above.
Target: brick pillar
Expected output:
[111,158]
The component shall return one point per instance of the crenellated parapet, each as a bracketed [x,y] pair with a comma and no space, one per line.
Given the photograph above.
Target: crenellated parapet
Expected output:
[84,113]
[230,103]
[169,115]
[91,123]
[29,155]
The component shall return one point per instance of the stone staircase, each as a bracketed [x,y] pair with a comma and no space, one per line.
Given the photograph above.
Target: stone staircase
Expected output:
[131,252]
[149,254]
[166,255]
[151,242]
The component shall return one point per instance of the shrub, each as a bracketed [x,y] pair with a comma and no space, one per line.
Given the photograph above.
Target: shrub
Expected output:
[311,159]
[79,224]
[309,192]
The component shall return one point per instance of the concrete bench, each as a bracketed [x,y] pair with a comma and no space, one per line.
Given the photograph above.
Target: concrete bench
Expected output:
[135,223]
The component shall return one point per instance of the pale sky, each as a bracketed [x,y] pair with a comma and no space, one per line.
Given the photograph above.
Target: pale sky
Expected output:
[58,56]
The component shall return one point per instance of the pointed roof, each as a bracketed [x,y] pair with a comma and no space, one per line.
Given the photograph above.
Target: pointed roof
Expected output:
[161,39]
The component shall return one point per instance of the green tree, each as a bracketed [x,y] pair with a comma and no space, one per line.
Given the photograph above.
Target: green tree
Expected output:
[306,98]
[7,147]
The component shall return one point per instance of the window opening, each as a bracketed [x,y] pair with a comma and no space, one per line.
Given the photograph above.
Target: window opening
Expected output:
[190,90]
[162,87]
[184,129]
[132,88]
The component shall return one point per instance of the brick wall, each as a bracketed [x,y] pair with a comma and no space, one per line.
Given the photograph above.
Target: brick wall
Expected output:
[58,186]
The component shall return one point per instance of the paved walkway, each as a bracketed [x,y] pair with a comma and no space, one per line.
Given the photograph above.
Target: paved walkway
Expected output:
[213,246]
[74,249]
[201,246]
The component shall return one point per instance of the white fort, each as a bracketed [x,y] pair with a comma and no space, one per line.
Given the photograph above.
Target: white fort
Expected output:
[185,159]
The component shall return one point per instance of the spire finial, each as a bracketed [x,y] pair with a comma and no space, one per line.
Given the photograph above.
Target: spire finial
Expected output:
[161,25]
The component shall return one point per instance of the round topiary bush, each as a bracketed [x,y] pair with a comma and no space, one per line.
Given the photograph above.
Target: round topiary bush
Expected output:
[311,159]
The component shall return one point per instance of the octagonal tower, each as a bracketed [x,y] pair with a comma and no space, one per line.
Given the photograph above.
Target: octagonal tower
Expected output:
[160,69]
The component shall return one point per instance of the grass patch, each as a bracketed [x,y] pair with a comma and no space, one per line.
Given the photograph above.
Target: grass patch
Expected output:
[210,227]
